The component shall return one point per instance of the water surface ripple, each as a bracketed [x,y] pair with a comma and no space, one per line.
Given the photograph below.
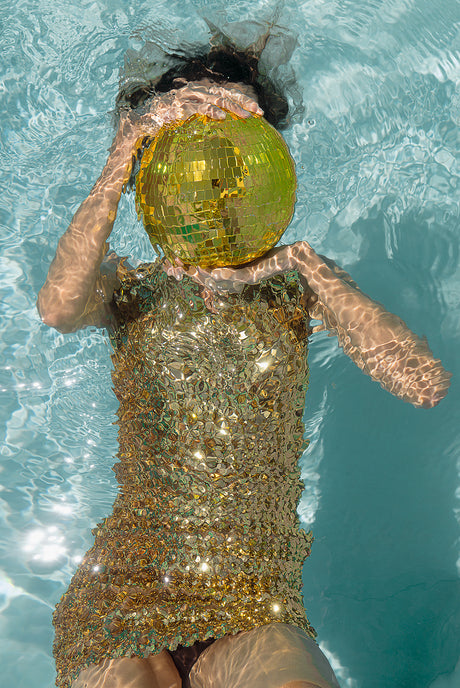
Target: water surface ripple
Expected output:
[378,170]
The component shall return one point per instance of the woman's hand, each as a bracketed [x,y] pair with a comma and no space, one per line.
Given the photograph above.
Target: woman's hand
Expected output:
[233,280]
[71,297]
[193,98]
[204,97]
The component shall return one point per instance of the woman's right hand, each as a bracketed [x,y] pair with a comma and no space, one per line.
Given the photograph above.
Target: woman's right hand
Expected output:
[76,293]
[192,98]
[204,97]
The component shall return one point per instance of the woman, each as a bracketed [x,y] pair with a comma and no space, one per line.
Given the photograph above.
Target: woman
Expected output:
[195,578]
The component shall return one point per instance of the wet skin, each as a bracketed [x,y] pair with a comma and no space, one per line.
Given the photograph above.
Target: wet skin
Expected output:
[228,662]
[80,282]
[82,279]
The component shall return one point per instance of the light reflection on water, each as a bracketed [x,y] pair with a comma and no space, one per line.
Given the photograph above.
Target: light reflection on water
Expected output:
[377,156]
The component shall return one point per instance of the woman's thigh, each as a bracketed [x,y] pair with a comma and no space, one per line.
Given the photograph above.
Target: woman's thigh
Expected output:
[271,656]
[157,671]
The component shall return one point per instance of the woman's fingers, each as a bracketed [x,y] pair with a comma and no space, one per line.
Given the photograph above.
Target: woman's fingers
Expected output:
[232,106]
[194,98]
[208,109]
[238,99]
[234,101]
[242,94]
[231,99]
[203,98]
[175,269]
[220,280]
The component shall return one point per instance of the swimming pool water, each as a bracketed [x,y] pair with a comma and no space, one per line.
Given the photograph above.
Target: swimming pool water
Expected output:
[377,162]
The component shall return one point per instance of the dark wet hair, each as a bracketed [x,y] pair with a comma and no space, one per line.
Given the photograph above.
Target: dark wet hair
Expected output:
[220,64]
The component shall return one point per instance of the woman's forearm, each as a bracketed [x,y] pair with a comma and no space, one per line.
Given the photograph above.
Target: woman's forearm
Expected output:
[378,341]
[71,296]
[354,310]
[72,278]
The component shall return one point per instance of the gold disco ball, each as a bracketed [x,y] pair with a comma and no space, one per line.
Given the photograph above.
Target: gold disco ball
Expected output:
[216,193]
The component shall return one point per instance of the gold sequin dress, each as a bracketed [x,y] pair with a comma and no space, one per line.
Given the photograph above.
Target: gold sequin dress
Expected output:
[204,538]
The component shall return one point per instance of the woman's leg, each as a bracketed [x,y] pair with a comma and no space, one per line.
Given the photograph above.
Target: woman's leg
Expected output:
[157,671]
[272,656]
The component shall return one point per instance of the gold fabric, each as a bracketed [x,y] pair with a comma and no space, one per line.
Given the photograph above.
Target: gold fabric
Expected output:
[204,538]
[216,192]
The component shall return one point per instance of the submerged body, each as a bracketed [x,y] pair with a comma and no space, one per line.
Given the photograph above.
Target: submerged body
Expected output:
[204,538]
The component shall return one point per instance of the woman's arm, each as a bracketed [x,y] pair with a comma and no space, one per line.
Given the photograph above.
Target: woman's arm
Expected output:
[77,292]
[379,342]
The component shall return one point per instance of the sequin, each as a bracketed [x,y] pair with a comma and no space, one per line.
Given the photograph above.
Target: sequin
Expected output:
[204,537]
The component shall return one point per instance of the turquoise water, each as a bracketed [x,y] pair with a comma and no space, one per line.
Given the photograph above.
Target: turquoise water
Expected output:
[377,160]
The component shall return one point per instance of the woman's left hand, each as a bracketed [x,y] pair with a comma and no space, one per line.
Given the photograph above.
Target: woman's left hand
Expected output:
[233,280]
